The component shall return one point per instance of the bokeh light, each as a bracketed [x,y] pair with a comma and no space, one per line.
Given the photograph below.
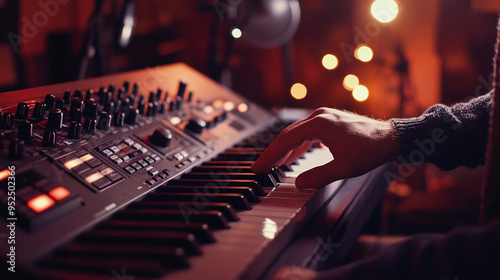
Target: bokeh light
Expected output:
[330,62]
[384,10]
[350,82]
[298,91]
[360,93]
[363,53]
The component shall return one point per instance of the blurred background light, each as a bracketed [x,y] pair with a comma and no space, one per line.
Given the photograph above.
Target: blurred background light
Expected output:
[363,53]
[330,61]
[298,91]
[350,82]
[236,33]
[384,10]
[360,93]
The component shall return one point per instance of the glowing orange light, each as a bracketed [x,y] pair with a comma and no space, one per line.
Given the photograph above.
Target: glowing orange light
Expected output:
[228,106]
[298,91]
[59,193]
[242,107]
[363,53]
[4,174]
[330,62]
[350,82]
[360,93]
[40,203]
[217,104]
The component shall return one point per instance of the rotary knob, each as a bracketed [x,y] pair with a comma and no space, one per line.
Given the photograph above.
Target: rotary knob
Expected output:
[16,149]
[90,125]
[23,110]
[196,125]
[49,138]
[8,121]
[118,118]
[75,130]
[25,131]
[75,114]
[161,137]
[131,117]
[55,120]
[39,111]
[104,121]
[90,110]
[50,101]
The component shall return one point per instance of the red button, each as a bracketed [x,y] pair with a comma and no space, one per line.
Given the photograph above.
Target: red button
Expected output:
[40,203]
[59,193]
[4,174]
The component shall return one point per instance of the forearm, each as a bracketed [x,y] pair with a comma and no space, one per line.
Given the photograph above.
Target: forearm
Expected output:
[446,136]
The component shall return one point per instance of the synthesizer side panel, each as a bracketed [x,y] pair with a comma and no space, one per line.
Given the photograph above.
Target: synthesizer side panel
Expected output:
[77,157]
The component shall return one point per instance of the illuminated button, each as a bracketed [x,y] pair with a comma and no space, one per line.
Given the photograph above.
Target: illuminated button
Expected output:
[59,193]
[40,203]
[86,157]
[4,174]
[73,163]
[94,177]
[178,156]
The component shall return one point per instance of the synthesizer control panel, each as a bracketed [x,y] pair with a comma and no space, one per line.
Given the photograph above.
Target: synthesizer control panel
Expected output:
[73,154]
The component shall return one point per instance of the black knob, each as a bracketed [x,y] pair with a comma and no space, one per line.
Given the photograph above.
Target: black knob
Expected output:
[109,107]
[152,97]
[78,94]
[161,137]
[75,130]
[118,118]
[196,125]
[152,109]
[111,89]
[141,104]
[190,97]
[90,110]
[50,101]
[8,121]
[39,111]
[23,110]
[25,131]
[67,97]
[75,114]
[182,89]
[135,89]
[131,117]
[90,125]
[171,106]
[158,93]
[104,121]
[126,86]
[16,149]
[89,94]
[77,103]
[3,139]
[60,104]
[49,138]
[55,120]
[121,94]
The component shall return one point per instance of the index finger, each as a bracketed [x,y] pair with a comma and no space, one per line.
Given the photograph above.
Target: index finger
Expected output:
[290,138]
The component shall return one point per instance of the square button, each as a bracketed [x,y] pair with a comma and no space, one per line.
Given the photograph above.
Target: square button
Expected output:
[102,183]
[40,203]
[59,193]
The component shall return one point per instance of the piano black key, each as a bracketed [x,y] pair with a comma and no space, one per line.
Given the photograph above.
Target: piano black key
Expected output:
[246,191]
[286,167]
[266,180]
[238,201]
[213,219]
[141,268]
[178,239]
[169,256]
[247,156]
[255,185]
[200,230]
[225,208]
[277,174]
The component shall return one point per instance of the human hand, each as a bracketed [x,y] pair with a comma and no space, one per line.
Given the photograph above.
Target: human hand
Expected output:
[357,143]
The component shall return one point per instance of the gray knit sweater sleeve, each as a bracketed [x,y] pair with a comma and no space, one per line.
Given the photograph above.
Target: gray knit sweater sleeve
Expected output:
[447,136]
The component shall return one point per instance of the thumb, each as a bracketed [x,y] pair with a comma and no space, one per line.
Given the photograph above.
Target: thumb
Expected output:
[319,176]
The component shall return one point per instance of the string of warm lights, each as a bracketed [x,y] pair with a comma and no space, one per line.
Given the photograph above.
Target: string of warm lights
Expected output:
[383,11]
